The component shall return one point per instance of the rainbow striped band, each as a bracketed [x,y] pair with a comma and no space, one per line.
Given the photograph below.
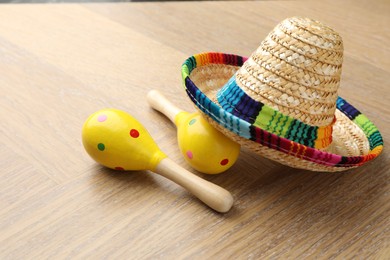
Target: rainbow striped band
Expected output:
[235,101]
[252,132]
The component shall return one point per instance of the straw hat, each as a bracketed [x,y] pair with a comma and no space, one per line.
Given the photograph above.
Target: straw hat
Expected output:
[282,101]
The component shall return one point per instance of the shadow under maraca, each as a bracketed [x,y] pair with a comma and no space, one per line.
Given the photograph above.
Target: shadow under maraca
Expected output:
[123,176]
[135,188]
[121,181]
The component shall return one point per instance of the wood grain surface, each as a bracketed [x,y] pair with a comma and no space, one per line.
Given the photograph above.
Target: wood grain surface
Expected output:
[60,63]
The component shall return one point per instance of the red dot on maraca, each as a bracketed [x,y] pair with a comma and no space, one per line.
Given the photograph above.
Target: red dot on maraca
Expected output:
[119,168]
[224,162]
[134,133]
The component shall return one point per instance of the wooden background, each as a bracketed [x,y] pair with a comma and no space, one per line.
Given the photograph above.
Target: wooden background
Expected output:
[60,63]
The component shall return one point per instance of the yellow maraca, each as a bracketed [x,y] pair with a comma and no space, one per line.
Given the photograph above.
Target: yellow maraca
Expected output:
[118,141]
[203,147]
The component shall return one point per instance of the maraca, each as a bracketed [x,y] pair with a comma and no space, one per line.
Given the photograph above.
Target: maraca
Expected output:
[203,147]
[118,141]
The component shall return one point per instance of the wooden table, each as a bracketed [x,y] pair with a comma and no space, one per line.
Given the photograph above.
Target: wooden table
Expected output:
[60,63]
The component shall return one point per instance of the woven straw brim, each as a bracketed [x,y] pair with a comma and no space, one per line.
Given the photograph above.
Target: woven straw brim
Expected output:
[355,139]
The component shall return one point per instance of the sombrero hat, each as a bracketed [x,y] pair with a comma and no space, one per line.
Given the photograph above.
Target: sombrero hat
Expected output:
[282,101]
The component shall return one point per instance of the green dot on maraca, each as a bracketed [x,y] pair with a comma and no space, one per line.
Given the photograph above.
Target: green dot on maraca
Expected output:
[192,121]
[101,147]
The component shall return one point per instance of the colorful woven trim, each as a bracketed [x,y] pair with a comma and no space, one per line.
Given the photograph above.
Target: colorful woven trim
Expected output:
[265,138]
[209,58]
[235,101]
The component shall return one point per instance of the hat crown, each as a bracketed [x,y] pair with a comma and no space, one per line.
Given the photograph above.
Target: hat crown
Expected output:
[296,70]
[289,85]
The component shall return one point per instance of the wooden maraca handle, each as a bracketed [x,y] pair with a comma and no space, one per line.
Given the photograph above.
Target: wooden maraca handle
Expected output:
[214,196]
[159,102]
